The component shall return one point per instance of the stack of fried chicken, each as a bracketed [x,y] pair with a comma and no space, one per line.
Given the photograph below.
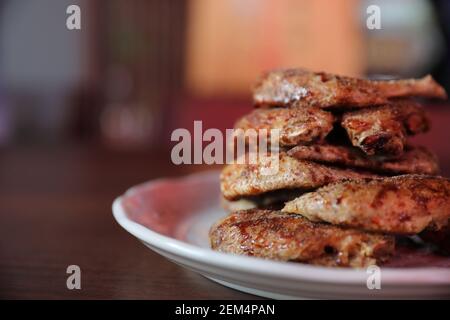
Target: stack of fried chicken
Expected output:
[348,185]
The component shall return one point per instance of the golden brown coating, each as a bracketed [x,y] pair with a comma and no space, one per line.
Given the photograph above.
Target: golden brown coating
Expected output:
[296,125]
[275,235]
[282,88]
[405,204]
[383,130]
[243,180]
[418,160]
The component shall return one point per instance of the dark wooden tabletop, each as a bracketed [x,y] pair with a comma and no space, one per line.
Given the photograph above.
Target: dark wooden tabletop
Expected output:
[55,209]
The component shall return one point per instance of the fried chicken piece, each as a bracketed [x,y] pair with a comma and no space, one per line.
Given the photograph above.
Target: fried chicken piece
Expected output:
[406,204]
[275,235]
[242,180]
[417,160]
[283,88]
[383,130]
[296,125]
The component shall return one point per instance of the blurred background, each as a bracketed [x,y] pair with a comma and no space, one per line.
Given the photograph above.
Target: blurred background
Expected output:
[138,69]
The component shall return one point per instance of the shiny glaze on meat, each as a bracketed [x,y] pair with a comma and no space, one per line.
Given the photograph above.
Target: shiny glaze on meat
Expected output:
[275,235]
[296,125]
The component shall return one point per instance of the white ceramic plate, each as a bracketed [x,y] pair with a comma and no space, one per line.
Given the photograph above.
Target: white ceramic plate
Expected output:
[173,216]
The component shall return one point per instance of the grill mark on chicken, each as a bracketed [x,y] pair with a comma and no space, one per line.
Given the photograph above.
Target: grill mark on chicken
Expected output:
[416,160]
[407,204]
[275,235]
[383,130]
[381,196]
[302,88]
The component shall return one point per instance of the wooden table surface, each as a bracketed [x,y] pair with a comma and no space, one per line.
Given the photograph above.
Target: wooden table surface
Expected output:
[55,209]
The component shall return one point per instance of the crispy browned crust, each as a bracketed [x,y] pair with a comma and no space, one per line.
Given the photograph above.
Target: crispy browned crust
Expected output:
[275,235]
[296,125]
[243,180]
[405,204]
[418,160]
[304,88]
[383,130]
